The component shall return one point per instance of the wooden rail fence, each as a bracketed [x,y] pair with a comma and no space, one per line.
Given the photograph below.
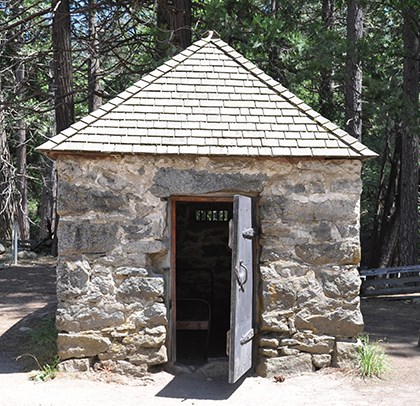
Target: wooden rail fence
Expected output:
[390,281]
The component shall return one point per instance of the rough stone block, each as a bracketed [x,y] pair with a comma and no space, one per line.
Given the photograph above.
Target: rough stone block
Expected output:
[72,278]
[146,246]
[121,367]
[344,186]
[81,199]
[288,351]
[289,341]
[148,356]
[75,365]
[314,344]
[328,210]
[81,345]
[116,351]
[335,318]
[287,366]
[169,181]
[86,237]
[137,259]
[128,271]
[340,282]
[269,342]
[275,322]
[159,330]
[102,285]
[338,252]
[83,316]
[145,340]
[155,315]
[126,368]
[151,315]
[142,288]
[268,352]
[272,207]
[345,355]
[27,255]
[321,360]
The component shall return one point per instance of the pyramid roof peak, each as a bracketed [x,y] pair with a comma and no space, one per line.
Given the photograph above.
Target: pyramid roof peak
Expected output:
[207,100]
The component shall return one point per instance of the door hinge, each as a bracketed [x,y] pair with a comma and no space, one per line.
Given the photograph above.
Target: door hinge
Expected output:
[247,337]
[249,233]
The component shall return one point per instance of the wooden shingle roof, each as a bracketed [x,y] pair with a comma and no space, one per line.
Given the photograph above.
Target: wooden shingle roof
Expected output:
[207,100]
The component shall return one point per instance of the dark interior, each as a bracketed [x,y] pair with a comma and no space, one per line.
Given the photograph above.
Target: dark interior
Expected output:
[203,261]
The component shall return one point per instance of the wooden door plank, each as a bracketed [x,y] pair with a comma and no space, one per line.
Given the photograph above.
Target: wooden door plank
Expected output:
[241,318]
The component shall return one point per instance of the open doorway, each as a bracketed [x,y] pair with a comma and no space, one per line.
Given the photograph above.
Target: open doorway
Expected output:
[203,279]
[212,280]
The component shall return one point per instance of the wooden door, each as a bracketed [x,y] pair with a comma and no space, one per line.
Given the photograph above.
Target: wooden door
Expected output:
[241,318]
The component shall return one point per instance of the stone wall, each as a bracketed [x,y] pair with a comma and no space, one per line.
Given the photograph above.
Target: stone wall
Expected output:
[114,265]
[308,276]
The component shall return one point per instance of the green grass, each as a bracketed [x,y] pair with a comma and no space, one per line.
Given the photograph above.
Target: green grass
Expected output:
[373,361]
[44,372]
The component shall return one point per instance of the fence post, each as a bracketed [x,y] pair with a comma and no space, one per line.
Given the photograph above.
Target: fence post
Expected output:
[15,242]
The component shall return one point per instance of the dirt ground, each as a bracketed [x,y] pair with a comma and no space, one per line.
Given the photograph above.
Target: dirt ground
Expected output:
[27,293]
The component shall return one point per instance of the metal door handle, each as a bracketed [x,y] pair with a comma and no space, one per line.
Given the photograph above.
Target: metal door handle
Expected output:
[241,277]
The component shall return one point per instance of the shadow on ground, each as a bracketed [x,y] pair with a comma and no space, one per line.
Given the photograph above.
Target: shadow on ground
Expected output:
[188,386]
[394,322]
[16,342]
[27,294]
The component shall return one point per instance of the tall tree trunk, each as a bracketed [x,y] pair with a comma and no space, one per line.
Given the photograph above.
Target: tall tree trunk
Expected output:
[174,24]
[64,111]
[397,242]
[21,199]
[94,97]
[375,244]
[48,208]
[63,72]
[6,176]
[353,110]
[409,182]
[386,245]
[326,86]
[22,212]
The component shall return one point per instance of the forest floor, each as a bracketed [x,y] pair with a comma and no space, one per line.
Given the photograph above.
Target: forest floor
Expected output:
[27,294]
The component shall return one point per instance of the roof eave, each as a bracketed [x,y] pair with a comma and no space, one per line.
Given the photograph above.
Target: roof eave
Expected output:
[53,154]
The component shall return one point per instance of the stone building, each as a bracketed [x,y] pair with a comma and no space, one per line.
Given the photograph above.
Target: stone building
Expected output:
[207,207]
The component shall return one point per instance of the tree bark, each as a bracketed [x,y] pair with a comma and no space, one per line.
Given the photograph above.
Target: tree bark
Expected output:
[375,244]
[48,208]
[64,112]
[353,110]
[409,181]
[6,176]
[21,200]
[386,245]
[174,24]
[63,72]
[22,212]
[326,86]
[94,88]
[398,235]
